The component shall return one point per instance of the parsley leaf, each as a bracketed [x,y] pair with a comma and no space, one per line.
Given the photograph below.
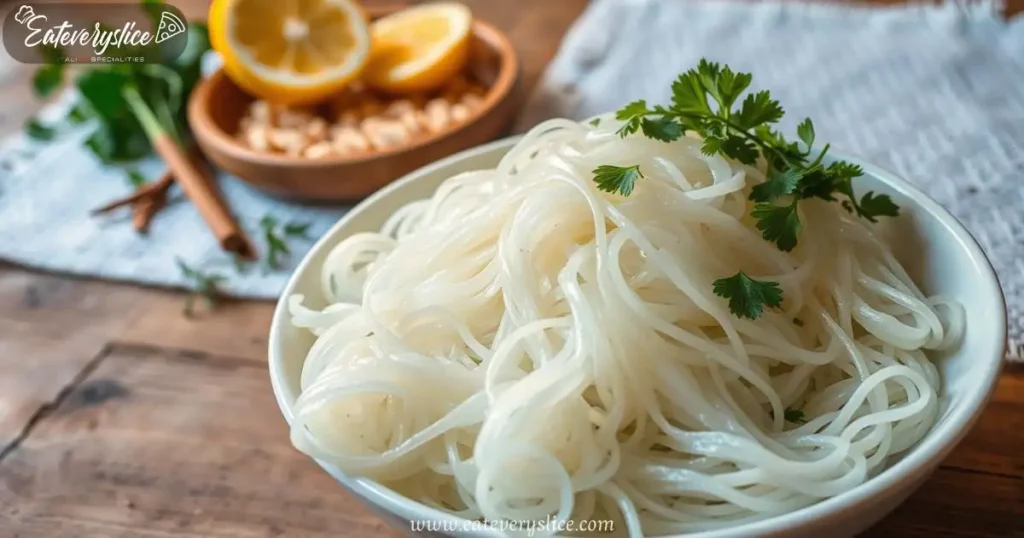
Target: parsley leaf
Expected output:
[664,129]
[595,122]
[276,236]
[740,149]
[779,224]
[632,114]
[136,179]
[806,132]
[621,179]
[757,109]
[38,131]
[47,79]
[688,95]
[779,184]
[748,297]
[795,416]
[872,205]
[205,285]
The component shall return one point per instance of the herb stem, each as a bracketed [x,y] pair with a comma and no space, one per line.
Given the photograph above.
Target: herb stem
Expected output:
[150,124]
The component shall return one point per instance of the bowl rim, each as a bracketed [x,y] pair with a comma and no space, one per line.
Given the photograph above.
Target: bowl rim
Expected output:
[210,133]
[919,463]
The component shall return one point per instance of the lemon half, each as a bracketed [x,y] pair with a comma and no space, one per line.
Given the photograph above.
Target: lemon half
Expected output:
[290,51]
[420,48]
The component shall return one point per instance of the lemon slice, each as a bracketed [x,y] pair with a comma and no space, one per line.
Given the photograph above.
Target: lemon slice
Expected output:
[290,51]
[419,48]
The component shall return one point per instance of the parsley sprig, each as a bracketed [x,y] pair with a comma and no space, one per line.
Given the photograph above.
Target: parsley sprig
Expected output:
[706,101]
[277,235]
[201,284]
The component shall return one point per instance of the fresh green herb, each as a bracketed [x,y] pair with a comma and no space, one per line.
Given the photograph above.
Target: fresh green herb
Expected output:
[619,179]
[277,236]
[798,322]
[595,122]
[50,76]
[47,79]
[205,285]
[748,297]
[154,92]
[704,101]
[795,416]
[241,264]
[136,179]
[38,131]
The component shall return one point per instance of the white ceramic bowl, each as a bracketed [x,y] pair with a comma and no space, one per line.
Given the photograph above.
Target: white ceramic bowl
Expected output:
[937,251]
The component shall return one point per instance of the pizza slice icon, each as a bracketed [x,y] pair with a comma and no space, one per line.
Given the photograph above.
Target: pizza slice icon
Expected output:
[170,26]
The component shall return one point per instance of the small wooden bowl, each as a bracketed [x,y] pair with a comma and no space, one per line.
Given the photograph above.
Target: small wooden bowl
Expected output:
[217,106]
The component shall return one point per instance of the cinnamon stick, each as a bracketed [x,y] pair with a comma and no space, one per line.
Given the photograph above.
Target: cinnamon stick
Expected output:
[203,194]
[144,209]
[145,191]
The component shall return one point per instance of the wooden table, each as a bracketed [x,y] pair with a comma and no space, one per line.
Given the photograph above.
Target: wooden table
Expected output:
[121,418]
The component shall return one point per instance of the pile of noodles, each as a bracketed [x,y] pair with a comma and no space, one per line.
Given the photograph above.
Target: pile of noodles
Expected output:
[523,346]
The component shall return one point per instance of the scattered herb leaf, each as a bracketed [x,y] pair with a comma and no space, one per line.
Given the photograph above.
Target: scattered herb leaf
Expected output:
[38,131]
[795,416]
[595,122]
[136,179]
[748,297]
[621,179]
[276,236]
[204,285]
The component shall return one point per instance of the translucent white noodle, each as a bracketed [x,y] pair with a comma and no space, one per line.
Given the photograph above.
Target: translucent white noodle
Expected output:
[523,346]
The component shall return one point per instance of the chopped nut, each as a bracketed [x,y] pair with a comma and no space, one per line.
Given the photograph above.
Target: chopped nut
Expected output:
[348,119]
[371,108]
[437,114]
[288,118]
[399,108]
[411,122]
[471,100]
[348,140]
[316,130]
[257,137]
[384,134]
[259,111]
[460,112]
[318,150]
[290,141]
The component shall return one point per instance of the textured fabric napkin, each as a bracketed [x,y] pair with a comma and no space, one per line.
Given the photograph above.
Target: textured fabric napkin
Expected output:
[935,93]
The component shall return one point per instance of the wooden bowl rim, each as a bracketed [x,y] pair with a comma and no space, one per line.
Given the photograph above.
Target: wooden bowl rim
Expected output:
[204,127]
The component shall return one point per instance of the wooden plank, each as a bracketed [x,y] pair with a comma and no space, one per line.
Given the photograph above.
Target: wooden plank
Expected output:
[155,444]
[234,328]
[50,329]
[995,444]
[957,503]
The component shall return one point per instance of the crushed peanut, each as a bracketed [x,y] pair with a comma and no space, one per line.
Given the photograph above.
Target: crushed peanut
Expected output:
[362,122]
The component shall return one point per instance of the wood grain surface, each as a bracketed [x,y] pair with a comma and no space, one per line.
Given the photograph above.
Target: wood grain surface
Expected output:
[121,418]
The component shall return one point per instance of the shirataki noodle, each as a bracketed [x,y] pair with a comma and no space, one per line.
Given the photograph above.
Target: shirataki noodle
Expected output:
[523,345]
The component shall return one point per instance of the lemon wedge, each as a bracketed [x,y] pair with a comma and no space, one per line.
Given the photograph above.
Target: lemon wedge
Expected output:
[290,51]
[419,48]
